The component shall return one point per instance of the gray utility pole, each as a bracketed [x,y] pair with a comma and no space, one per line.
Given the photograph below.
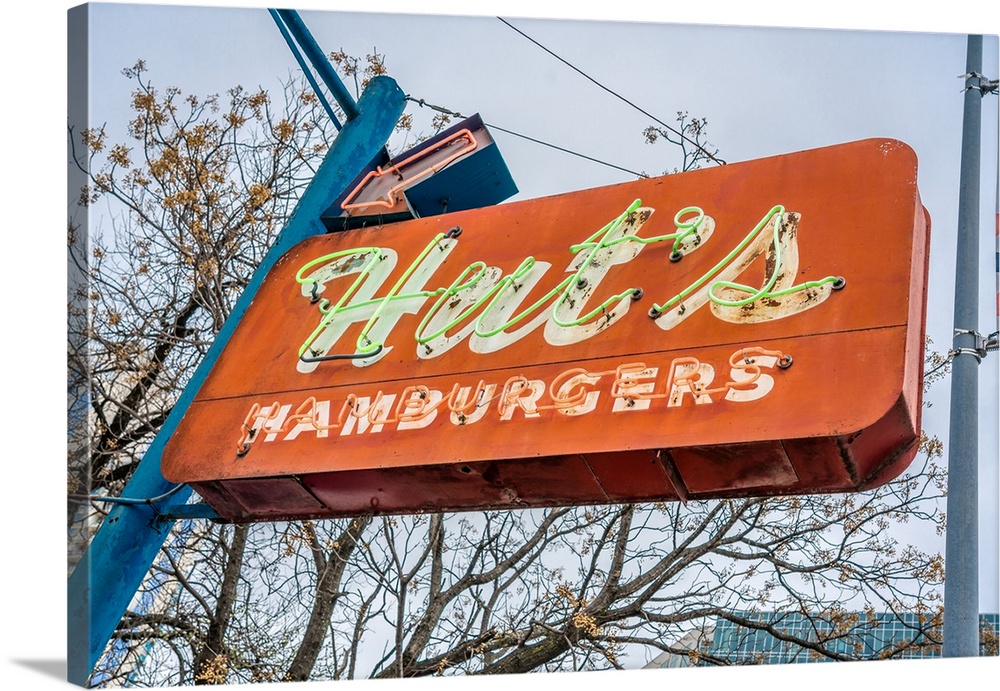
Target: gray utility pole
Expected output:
[961,586]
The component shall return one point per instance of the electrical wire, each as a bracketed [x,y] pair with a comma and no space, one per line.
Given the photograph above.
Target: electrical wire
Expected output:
[990,345]
[941,364]
[616,94]
[129,500]
[424,104]
[568,151]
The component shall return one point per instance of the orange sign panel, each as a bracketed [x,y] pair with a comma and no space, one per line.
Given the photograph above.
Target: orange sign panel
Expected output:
[751,329]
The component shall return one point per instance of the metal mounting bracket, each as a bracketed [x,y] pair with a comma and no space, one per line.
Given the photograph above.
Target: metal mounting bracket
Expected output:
[985,86]
[984,344]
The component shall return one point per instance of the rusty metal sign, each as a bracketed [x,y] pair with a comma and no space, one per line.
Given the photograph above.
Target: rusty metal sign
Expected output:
[752,329]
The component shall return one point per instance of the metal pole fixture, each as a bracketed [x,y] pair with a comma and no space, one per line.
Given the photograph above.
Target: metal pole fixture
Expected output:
[961,588]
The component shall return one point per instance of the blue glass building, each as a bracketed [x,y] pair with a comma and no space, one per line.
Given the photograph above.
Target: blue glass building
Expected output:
[774,638]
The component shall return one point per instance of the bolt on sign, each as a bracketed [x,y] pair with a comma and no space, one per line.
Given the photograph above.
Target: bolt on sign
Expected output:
[752,329]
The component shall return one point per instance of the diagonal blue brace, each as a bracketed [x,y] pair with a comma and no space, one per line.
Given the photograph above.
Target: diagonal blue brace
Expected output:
[124,548]
[297,54]
[297,28]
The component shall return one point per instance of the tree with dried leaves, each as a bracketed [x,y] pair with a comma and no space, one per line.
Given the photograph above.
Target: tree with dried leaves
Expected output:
[192,201]
[194,195]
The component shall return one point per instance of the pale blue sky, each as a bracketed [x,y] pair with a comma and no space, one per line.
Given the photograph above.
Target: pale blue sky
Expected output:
[833,87]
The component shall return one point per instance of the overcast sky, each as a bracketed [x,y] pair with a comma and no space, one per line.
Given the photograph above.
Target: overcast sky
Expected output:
[764,91]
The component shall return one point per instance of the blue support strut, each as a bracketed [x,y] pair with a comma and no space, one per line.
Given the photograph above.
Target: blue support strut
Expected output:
[122,552]
[304,67]
[312,50]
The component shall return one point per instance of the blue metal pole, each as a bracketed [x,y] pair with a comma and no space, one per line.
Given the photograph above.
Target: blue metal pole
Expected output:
[304,67]
[961,586]
[122,551]
[318,59]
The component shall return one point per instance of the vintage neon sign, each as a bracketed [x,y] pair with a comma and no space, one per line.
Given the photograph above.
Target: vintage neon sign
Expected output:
[573,392]
[396,172]
[479,288]
[668,338]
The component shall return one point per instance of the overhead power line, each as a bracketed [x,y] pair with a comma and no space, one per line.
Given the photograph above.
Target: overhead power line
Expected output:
[568,151]
[616,94]
[424,104]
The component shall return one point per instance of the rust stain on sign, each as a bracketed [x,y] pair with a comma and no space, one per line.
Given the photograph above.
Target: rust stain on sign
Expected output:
[752,329]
